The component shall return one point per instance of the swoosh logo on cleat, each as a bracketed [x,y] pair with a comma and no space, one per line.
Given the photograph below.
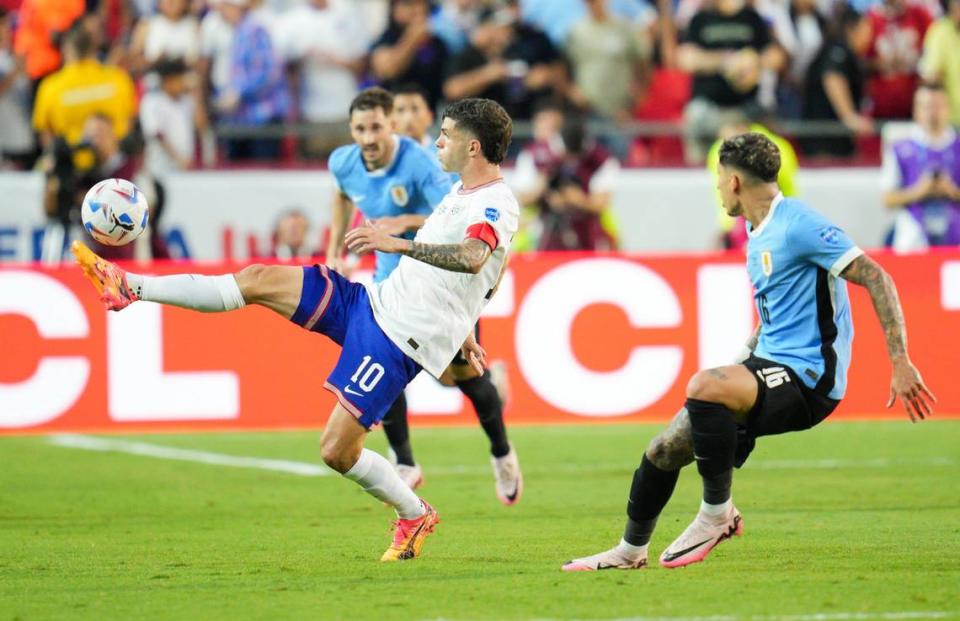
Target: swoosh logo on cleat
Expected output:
[676,555]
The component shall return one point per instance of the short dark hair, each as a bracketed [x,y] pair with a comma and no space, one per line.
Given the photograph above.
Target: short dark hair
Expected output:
[752,153]
[371,99]
[488,121]
[412,88]
[170,67]
[79,37]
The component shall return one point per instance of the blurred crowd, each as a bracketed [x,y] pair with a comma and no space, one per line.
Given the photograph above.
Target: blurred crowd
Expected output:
[89,87]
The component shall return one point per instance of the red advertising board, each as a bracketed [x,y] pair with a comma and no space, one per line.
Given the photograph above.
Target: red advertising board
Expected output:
[610,338]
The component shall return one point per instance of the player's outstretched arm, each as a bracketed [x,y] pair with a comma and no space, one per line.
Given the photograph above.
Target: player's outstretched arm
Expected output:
[341,212]
[906,382]
[468,256]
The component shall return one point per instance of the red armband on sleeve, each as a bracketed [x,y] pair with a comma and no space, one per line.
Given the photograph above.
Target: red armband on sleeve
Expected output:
[485,233]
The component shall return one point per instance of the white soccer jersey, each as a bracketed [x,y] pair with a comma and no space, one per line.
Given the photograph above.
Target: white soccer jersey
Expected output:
[427,311]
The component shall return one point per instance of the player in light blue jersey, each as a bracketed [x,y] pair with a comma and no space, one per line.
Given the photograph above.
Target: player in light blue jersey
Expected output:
[395,183]
[791,374]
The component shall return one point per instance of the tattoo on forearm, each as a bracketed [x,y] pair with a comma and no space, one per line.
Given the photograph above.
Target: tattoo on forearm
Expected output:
[672,449]
[865,272]
[453,257]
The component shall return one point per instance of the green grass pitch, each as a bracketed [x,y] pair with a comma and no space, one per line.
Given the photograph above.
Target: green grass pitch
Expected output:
[848,521]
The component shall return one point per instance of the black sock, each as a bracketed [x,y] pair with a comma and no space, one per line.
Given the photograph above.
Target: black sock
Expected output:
[398,431]
[714,447]
[483,394]
[649,493]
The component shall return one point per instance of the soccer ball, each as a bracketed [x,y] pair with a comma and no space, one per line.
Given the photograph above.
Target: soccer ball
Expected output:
[114,212]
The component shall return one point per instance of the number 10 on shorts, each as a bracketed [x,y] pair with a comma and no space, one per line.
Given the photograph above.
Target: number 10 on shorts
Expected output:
[367,375]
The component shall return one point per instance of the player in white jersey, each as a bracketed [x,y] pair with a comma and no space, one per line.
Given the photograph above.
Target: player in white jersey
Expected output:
[419,317]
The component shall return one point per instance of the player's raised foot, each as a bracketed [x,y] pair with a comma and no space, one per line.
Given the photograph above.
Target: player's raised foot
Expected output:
[109,280]
[702,536]
[408,535]
[411,475]
[614,558]
[509,479]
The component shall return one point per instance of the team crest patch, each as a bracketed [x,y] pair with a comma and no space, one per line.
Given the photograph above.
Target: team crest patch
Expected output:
[830,235]
[766,262]
[399,195]
[492,214]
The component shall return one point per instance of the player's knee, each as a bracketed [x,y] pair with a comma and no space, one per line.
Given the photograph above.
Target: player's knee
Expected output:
[669,455]
[251,281]
[705,387]
[337,455]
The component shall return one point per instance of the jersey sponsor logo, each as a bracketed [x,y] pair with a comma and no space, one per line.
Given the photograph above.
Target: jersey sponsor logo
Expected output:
[399,195]
[830,235]
[773,376]
[491,213]
[766,263]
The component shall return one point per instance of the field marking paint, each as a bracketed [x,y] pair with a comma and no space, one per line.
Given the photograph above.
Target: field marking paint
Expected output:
[306,469]
[143,449]
[820,616]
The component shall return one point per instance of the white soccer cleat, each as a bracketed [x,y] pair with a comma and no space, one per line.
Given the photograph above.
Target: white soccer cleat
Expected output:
[412,476]
[509,479]
[609,559]
[702,536]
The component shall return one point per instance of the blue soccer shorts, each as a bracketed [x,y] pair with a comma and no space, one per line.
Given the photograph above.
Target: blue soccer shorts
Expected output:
[372,371]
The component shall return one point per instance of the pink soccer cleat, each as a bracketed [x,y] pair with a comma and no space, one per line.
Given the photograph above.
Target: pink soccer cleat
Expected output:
[409,535]
[702,536]
[610,559]
[109,280]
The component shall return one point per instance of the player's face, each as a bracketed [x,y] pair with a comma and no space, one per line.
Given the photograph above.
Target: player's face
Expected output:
[454,146]
[412,115]
[372,130]
[728,184]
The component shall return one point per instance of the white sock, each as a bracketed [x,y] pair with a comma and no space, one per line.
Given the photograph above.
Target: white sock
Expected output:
[378,478]
[208,294]
[716,511]
[631,552]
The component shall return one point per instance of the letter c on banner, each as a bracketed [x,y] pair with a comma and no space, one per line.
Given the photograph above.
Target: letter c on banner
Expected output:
[59,380]
[543,337]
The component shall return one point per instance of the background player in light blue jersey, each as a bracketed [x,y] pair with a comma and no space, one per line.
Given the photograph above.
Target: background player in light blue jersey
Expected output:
[792,373]
[414,117]
[395,183]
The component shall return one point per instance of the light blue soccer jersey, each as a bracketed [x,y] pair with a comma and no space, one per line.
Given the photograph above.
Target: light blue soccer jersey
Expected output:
[794,258]
[413,183]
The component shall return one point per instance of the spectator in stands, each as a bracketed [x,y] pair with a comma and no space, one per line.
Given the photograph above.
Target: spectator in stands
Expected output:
[166,119]
[325,48]
[609,56]
[83,86]
[733,231]
[290,237]
[213,72]
[922,176]
[834,87]
[454,21]
[941,51]
[557,17]
[172,34]
[16,139]
[726,47]
[802,38]
[508,62]
[897,29]
[408,52]
[571,179]
[41,24]
[412,115]
[256,94]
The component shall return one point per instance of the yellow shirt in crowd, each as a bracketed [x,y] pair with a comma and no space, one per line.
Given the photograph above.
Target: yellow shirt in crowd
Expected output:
[941,61]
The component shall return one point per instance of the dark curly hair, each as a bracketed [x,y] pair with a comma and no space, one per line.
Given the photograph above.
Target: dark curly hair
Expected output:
[488,121]
[752,153]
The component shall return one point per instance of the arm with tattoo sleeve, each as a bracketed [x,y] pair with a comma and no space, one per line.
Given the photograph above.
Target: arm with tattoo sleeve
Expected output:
[468,256]
[906,382]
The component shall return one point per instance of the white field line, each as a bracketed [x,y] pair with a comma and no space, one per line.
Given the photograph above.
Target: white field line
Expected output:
[820,616]
[306,469]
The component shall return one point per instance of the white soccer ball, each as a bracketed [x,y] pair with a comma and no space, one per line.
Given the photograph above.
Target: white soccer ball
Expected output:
[114,212]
